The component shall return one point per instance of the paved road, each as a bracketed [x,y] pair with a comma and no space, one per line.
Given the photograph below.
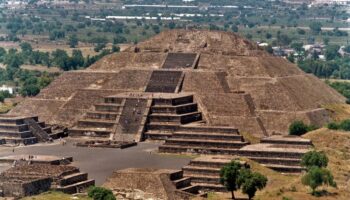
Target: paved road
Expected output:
[101,162]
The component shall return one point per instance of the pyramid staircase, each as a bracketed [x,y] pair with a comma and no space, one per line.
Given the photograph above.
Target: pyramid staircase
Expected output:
[115,119]
[203,174]
[183,183]
[168,114]
[24,130]
[72,182]
[99,123]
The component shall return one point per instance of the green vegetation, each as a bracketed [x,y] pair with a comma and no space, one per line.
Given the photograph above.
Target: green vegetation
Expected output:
[234,176]
[343,125]
[317,174]
[342,87]
[300,128]
[100,193]
[314,158]
[316,177]
[4,95]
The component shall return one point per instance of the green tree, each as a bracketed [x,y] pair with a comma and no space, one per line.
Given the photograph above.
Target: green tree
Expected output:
[298,128]
[229,175]
[251,182]
[30,90]
[100,193]
[26,47]
[315,27]
[332,52]
[314,158]
[347,49]
[316,177]
[73,41]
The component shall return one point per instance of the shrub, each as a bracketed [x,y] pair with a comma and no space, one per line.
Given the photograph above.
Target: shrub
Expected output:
[343,125]
[333,126]
[100,193]
[314,159]
[298,128]
[316,177]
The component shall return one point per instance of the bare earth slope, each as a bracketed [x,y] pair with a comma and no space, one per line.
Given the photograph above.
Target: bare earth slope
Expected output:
[234,82]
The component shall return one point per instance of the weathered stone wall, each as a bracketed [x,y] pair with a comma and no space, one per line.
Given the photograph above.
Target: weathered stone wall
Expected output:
[18,189]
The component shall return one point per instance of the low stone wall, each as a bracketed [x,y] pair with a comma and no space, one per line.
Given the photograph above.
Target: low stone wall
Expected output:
[18,189]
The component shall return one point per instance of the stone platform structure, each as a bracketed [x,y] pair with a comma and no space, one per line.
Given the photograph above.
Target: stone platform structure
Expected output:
[150,184]
[41,177]
[280,153]
[25,130]
[204,172]
[37,159]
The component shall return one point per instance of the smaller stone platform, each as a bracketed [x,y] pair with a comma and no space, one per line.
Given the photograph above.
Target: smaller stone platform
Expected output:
[64,178]
[15,130]
[280,153]
[150,184]
[204,171]
[106,144]
[37,159]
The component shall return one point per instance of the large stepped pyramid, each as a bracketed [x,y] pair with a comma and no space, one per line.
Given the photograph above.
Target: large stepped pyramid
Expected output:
[25,130]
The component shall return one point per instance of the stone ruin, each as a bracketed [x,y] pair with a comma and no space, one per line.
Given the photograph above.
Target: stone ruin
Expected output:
[29,179]
[196,90]
[15,130]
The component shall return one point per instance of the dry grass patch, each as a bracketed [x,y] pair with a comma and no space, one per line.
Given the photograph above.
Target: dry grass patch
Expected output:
[339,112]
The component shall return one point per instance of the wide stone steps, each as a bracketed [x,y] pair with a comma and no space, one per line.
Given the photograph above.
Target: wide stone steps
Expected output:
[206,135]
[208,129]
[205,143]
[91,132]
[211,187]
[196,149]
[162,126]
[193,189]
[23,134]
[108,107]
[156,135]
[182,182]
[96,123]
[191,169]
[15,140]
[73,178]
[287,141]
[276,154]
[201,178]
[14,127]
[101,115]
[178,118]
[178,109]
[76,187]
[285,168]
[277,160]
[187,99]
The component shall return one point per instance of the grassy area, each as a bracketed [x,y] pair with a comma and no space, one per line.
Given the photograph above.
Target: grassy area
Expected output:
[339,112]
[52,195]
[4,108]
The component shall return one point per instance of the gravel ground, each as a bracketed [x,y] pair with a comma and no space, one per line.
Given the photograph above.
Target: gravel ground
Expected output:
[101,162]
